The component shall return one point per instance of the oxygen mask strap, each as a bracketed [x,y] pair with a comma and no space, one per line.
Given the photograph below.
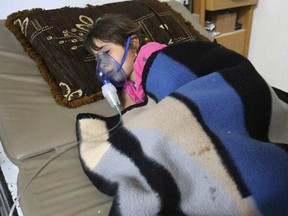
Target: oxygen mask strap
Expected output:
[125,52]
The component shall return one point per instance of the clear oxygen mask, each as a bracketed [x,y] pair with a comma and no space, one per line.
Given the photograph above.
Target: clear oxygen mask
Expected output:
[111,74]
[108,70]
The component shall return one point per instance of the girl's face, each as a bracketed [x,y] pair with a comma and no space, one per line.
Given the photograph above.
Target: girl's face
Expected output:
[117,51]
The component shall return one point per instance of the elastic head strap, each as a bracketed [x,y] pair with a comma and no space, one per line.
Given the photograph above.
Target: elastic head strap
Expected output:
[125,52]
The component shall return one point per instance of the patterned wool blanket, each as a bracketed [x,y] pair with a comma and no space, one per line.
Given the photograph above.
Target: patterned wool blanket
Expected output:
[210,139]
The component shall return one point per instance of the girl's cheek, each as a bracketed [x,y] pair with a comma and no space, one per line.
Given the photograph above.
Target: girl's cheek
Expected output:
[128,71]
[128,66]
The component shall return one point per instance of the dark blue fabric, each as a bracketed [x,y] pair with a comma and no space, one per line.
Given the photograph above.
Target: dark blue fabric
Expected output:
[223,113]
[234,106]
[174,76]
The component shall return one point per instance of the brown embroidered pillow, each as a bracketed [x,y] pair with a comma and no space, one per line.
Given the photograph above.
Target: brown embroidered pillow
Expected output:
[54,39]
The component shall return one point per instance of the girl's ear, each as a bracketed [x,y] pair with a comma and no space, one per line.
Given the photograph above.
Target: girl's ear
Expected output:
[135,42]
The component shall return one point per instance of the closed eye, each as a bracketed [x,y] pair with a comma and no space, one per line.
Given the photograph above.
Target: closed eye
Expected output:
[106,51]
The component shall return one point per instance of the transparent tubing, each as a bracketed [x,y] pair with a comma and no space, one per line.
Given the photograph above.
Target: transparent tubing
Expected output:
[110,93]
[59,151]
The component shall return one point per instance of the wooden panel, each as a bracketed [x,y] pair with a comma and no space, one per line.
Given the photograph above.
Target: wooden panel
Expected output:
[199,8]
[234,41]
[224,4]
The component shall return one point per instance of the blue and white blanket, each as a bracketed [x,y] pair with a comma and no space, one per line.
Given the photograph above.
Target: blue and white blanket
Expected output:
[210,139]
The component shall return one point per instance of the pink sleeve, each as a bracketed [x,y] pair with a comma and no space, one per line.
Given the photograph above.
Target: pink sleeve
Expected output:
[139,64]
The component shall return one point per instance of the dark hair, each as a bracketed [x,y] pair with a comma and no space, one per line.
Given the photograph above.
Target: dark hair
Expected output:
[115,28]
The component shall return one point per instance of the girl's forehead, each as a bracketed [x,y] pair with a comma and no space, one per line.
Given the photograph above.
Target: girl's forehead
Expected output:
[101,45]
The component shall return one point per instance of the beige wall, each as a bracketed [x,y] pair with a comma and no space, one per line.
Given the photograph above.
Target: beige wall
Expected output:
[268,44]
